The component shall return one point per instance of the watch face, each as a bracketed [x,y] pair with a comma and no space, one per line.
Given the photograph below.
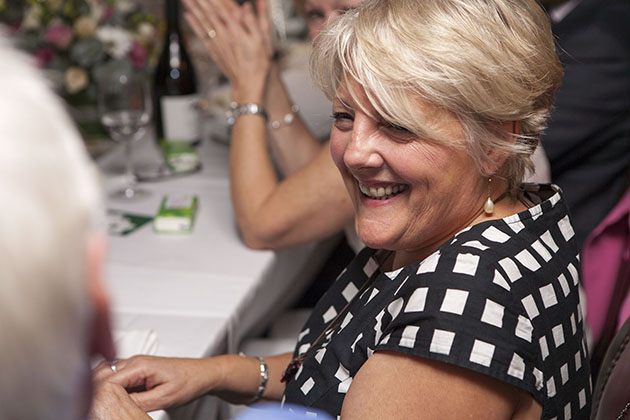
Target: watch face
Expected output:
[236,110]
[251,108]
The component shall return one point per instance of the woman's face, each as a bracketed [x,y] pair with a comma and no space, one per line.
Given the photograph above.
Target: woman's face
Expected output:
[318,12]
[409,194]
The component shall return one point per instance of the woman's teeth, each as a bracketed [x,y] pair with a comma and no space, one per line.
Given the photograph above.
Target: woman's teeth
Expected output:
[382,193]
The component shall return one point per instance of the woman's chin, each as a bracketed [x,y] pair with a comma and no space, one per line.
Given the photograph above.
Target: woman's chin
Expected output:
[375,240]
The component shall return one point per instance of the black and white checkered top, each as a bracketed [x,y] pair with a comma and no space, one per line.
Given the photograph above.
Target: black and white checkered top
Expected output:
[499,298]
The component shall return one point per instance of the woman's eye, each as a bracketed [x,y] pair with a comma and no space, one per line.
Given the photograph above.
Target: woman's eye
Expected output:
[343,120]
[397,132]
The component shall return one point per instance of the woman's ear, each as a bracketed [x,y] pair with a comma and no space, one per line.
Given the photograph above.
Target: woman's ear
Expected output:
[496,158]
[101,335]
[516,130]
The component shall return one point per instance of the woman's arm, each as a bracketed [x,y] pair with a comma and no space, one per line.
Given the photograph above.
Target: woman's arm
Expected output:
[394,385]
[309,205]
[312,203]
[293,146]
[171,382]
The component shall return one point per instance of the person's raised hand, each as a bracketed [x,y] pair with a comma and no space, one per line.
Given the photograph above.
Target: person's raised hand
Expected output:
[238,41]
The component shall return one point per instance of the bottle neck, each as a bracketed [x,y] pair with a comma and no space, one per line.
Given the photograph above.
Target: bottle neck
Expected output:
[172,16]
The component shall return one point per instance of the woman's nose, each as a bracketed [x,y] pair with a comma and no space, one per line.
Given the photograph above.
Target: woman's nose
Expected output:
[363,148]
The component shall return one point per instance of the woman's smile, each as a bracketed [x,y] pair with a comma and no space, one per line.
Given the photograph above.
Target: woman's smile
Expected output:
[381,192]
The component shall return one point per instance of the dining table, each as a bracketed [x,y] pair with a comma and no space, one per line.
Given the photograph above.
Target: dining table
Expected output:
[195,294]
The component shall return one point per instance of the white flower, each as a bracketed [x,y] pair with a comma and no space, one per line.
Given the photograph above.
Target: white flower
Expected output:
[146,33]
[32,17]
[117,41]
[75,79]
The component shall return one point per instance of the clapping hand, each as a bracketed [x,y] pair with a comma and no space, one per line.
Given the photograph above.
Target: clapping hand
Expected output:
[238,41]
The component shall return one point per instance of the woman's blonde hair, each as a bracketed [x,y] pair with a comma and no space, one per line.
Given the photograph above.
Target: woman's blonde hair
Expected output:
[487,62]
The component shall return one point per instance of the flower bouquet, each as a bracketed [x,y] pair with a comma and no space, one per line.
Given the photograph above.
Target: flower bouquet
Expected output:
[76,40]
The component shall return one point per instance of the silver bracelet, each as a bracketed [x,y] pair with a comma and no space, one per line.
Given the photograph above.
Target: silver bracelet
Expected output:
[264,377]
[287,119]
[236,110]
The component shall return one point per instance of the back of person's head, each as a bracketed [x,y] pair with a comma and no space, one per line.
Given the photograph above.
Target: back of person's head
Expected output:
[487,62]
[49,215]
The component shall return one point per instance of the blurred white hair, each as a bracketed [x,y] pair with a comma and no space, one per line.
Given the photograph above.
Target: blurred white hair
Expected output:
[487,62]
[50,207]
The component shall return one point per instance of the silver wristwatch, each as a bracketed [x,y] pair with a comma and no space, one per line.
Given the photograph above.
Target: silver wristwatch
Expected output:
[236,110]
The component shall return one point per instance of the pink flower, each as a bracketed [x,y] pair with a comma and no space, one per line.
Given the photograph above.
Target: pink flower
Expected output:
[59,35]
[109,13]
[43,56]
[137,55]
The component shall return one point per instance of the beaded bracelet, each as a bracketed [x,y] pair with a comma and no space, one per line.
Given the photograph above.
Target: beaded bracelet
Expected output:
[287,119]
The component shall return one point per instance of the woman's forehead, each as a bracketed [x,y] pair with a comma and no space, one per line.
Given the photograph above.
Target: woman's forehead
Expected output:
[349,92]
[347,3]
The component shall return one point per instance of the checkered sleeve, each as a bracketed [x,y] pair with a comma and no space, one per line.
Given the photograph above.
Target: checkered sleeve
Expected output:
[457,307]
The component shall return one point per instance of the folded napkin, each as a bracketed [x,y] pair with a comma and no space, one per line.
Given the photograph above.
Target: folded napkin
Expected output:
[131,342]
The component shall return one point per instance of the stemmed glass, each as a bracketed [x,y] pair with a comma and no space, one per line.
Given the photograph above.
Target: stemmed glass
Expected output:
[124,105]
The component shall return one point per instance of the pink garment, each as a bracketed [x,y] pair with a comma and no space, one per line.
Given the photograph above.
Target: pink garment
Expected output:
[605,251]
[624,312]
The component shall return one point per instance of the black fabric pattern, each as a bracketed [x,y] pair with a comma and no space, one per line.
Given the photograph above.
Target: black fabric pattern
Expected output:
[500,298]
[588,138]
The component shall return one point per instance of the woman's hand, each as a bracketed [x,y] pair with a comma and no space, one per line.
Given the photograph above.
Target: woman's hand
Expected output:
[238,41]
[160,382]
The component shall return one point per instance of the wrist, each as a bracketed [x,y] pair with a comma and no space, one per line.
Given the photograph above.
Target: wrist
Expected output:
[223,370]
[216,376]
[240,109]
[247,98]
[252,93]
[240,379]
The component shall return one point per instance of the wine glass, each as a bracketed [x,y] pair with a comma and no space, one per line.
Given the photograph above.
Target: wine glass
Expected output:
[124,105]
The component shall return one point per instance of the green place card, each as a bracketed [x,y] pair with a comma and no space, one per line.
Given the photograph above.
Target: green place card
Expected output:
[120,223]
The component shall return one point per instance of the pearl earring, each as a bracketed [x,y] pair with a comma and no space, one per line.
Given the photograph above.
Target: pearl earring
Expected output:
[489,207]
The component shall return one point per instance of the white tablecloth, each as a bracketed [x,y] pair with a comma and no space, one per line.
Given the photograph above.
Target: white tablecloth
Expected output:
[201,292]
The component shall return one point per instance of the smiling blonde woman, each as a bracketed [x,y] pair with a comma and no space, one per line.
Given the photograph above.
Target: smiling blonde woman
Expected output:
[466,304]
